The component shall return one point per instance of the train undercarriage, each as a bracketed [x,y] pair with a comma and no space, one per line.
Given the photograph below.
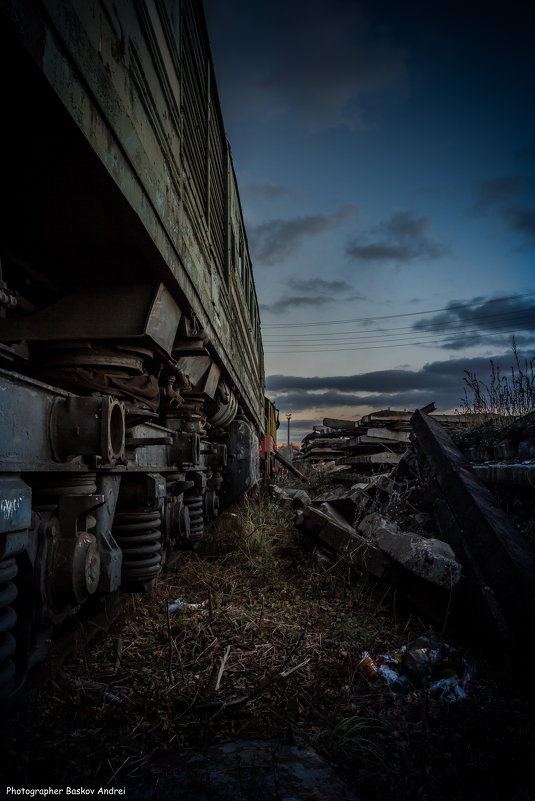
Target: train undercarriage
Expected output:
[120,439]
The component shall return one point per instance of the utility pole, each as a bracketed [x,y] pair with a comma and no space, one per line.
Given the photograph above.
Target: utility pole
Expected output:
[289,417]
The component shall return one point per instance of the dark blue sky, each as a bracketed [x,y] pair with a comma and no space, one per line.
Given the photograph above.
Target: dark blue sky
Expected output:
[385,153]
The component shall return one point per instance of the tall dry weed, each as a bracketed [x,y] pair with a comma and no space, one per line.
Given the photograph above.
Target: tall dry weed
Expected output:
[505,396]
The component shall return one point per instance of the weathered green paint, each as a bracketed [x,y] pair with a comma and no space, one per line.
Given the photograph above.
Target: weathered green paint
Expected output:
[116,68]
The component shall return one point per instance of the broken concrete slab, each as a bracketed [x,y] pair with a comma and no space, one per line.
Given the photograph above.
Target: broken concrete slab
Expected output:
[386,415]
[322,454]
[485,618]
[339,424]
[281,496]
[408,465]
[480,532]
[429,558]
[346,502]
[432,600]
[360,498]
[339,518]
[422,520]
[385,433]
[384,458]
[299,497]
[344,540]
[330,495]
[356,447]
[380,483]
[346,474]
[290,497]
[324,443]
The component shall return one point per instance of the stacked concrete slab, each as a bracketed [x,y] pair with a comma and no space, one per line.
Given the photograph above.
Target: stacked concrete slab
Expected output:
[373,444]
[453,549]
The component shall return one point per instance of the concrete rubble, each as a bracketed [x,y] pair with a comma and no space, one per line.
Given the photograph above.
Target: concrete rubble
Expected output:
[374,443]
[452,550]
[429,558]
[422,569]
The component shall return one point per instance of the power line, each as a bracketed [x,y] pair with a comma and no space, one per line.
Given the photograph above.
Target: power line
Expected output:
[393,316]
[519,318]
[363,339]
[408,337]
[389,345]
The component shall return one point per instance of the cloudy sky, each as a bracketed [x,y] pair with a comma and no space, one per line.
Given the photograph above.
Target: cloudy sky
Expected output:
[385,153]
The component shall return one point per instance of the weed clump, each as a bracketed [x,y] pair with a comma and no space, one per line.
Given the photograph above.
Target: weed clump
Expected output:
[505,396]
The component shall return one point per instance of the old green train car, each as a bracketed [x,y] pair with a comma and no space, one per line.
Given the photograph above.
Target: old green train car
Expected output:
[131,364]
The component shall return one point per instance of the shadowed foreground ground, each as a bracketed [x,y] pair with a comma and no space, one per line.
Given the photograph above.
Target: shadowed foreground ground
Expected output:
[271,654]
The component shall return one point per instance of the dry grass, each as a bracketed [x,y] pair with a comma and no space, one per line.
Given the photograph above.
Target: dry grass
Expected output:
[274,649]
[505,396]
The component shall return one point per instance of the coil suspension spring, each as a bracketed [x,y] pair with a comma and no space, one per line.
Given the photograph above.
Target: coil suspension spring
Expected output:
[138,534]
[194,502]
[48,489]
[8,618]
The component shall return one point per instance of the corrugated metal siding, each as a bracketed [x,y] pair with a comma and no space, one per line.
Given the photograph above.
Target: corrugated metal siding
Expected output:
[204,141]
[195,64]
[217,210]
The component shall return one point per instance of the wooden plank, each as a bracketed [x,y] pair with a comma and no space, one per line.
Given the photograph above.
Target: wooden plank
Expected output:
[505,560]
